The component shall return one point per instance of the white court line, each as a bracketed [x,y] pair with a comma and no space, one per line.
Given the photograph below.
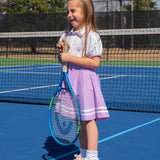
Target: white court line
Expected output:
[52,65]
[17,69]
[130,66]
[32,72]
[115,75]
[6,70]
[110,77]
[24,89]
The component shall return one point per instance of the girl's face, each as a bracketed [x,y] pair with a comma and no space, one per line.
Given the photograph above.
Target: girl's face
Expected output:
[75,14]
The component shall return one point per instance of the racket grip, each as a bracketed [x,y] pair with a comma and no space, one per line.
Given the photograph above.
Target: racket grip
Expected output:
[65,49]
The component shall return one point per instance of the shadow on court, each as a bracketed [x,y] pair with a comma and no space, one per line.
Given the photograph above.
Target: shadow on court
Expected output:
[55,150]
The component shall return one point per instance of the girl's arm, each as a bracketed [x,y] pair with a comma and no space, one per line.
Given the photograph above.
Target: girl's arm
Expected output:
[93,62]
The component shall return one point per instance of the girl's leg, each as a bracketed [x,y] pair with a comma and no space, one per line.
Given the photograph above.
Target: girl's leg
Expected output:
[88,137]
[92,135]
[83,140]
[83,136]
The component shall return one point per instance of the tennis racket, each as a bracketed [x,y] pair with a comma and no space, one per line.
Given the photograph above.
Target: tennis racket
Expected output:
[64,112]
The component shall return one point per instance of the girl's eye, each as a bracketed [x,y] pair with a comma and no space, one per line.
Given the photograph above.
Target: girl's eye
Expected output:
[72,10]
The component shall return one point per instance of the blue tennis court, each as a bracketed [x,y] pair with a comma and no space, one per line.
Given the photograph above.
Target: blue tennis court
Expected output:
[24,134]
[24,131]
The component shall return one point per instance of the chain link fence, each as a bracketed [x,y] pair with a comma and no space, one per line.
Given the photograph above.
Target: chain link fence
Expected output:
[109,15]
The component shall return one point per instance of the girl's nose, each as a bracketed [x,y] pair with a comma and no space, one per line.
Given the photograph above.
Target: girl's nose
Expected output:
[69,14]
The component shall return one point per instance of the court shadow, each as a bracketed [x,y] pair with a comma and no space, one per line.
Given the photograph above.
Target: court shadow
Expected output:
[56,150]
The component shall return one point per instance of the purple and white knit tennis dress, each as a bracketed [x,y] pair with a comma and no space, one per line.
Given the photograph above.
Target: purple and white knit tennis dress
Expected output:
[85,82]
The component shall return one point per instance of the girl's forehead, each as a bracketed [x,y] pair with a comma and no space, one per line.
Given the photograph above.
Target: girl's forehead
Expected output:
[73,3]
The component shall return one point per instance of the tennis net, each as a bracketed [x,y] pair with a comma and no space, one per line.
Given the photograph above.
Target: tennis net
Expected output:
[129,70]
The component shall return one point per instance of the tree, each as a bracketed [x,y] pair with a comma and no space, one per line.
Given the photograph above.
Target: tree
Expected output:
[35,6]
[141,5]
[3,7]
[35,15]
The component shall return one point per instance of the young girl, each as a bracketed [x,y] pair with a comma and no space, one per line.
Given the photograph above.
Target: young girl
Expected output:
[83,57]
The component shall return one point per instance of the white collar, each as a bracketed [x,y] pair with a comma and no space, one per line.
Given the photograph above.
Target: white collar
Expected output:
[80,32]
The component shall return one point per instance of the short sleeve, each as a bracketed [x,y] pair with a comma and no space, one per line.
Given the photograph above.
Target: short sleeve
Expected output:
[94,45]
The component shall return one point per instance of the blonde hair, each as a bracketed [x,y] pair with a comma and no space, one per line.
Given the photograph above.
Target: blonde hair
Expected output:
[89,18]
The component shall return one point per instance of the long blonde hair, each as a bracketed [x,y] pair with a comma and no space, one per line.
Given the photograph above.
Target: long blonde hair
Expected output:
[89,19]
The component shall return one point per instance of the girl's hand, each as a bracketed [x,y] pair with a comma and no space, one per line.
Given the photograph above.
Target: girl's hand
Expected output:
[65,57]
[60,45]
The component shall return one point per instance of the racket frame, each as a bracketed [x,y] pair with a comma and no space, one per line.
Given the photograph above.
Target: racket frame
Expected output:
[64,75]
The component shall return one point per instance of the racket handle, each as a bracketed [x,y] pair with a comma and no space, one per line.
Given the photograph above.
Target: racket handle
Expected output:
[65,49]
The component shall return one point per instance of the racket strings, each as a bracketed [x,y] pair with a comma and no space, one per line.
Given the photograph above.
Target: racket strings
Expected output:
[64,117]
